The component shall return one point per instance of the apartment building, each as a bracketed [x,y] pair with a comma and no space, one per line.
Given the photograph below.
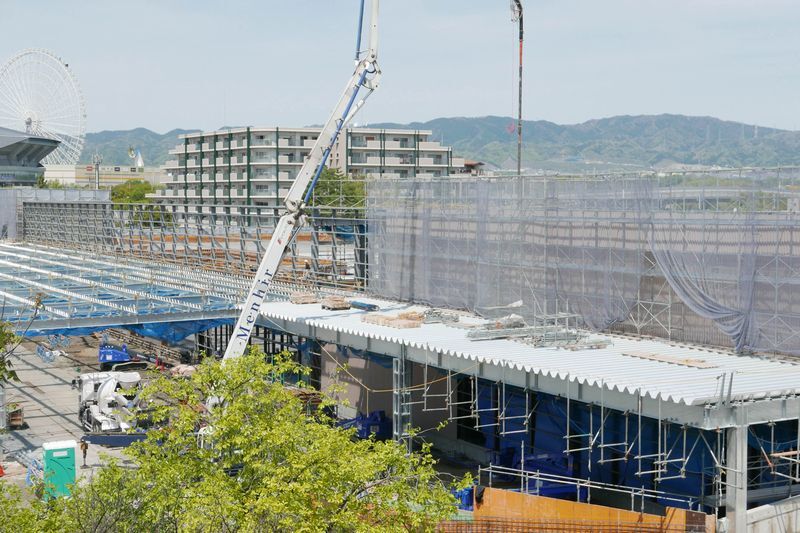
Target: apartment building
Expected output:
[256,166]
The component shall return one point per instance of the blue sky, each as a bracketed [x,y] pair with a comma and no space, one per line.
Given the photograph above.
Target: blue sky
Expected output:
[208,63]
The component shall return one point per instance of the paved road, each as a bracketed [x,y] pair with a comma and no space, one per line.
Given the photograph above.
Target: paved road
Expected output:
[50,406]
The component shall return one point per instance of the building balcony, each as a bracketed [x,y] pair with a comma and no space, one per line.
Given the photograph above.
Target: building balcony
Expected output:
[263,160]
[430,145]
[398,145]
[392,161]
[262,143]
[284,160]
[264,195]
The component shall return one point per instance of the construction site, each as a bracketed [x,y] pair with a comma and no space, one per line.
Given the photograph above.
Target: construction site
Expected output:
[625,342]
[615,352]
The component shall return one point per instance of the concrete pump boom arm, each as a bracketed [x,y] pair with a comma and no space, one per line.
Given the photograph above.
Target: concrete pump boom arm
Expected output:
[365,76]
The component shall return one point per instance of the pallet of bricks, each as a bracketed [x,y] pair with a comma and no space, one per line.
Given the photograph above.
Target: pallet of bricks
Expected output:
[404,320]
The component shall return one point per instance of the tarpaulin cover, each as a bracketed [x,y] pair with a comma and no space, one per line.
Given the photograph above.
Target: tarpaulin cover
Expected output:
[171,332]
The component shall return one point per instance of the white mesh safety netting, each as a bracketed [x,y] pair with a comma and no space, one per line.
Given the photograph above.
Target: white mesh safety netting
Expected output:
[485,245]
[585,246]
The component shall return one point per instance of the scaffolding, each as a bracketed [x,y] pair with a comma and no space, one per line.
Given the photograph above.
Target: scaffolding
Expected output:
[711,257]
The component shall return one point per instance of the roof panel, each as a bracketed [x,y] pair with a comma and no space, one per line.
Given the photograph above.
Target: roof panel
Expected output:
[754,377]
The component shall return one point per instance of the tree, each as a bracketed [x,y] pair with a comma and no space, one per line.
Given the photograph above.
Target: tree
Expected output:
[264,459]
[42,183]
[131,192]
[334,189]
[8,342]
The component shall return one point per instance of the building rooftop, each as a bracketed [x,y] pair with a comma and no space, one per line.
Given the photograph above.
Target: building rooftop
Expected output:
[691,378]
[304,129]
[36,147]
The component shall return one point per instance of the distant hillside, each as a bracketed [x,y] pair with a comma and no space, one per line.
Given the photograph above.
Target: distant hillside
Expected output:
[113,145]
[622,142]
[643,141]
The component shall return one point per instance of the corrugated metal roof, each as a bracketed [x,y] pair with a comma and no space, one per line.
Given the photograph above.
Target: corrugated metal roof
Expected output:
[754,377]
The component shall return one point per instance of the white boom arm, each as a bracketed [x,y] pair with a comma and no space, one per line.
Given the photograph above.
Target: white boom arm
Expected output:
[365,76]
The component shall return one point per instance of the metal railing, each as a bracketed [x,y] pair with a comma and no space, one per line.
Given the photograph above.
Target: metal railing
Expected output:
[532,482]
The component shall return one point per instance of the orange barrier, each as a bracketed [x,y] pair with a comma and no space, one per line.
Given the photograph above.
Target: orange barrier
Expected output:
[539,513]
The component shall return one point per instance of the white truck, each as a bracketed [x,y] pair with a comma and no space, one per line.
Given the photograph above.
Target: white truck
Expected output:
[107,400]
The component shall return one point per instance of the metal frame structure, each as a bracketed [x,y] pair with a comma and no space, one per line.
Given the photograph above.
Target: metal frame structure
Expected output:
[679,431]
[329,253]
[67,289]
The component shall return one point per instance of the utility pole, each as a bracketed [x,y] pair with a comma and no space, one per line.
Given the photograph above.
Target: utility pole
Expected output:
[96,160]
[516,10]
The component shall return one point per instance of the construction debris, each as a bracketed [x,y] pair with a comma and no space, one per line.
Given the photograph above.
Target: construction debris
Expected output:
[183,370]
[436,316]
[510,322]
[398,321]
[301,298]
[411,315]
[335,303]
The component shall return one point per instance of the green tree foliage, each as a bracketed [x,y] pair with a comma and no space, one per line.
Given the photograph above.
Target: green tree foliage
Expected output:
[42,183]
[262,460]
[135,192]
[131,192]
[8,342]
[335,190]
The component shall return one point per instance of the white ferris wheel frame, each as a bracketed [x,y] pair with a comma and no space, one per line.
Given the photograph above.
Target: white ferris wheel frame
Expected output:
[40,95]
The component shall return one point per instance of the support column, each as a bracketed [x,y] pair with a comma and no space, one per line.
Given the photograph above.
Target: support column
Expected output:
[736,491]
[401,408]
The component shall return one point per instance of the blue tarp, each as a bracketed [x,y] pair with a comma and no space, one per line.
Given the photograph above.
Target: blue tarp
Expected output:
[171,332]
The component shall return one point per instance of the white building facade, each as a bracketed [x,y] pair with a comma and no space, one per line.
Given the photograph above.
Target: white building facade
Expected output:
[110,175]
[256,166]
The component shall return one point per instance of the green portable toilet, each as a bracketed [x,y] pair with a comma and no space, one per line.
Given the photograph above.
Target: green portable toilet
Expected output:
[59,467]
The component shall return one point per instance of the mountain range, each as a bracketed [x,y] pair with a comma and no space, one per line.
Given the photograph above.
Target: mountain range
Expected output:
[114,145]
[615,143]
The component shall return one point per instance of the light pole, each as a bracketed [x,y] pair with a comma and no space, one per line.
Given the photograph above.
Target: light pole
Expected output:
[96,160]
[516,16]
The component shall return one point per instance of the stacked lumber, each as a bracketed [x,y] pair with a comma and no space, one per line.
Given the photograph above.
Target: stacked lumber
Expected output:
[335,303]
[399,321]
[303,298]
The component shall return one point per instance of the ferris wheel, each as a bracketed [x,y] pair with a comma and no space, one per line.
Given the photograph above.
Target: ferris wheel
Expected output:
[40,96]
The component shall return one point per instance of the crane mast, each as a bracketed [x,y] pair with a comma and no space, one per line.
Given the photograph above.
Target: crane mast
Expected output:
[365,77]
